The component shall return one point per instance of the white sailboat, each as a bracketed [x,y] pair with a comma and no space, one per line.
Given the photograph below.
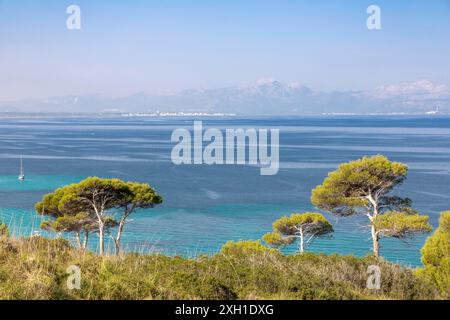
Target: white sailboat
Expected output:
[22,174]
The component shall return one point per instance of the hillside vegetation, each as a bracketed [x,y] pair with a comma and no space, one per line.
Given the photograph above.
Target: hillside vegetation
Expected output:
[35,268]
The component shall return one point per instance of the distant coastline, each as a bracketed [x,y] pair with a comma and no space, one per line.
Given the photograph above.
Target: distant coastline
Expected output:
[177,114]
[187,114]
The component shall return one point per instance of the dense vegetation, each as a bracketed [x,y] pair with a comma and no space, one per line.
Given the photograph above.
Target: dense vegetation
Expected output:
[35,268]
[436,257]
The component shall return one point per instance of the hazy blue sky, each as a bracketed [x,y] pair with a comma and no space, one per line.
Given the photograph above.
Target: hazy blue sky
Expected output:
[157,46]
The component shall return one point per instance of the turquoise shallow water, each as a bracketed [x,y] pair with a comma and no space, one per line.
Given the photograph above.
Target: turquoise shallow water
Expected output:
[36,182]
[207,205]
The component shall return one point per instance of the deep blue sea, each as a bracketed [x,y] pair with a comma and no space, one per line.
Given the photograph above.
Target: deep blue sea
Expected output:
[207,205]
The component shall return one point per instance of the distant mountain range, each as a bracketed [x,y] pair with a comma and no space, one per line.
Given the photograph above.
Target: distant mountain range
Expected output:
[265,97]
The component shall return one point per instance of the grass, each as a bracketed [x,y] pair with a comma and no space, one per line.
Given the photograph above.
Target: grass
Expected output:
[35,268]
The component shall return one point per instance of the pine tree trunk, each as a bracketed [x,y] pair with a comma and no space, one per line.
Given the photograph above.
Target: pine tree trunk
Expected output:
[101,233]
[77,237]
[376,242]
[120,229]
[85,241]
[119,236]
[117,244]
[375,238]
[302,245]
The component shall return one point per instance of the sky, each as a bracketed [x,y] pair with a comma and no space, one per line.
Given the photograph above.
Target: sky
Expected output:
[125,47]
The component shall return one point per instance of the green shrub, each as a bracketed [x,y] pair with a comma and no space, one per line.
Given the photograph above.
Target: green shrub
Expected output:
[245,247]
[436,257]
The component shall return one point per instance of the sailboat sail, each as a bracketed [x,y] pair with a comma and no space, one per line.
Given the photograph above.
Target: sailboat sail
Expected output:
[22,174]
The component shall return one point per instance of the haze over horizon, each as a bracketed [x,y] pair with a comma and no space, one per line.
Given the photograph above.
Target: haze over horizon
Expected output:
[154,47]
[263,97]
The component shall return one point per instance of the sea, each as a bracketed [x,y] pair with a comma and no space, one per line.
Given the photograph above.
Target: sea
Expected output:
[208,205]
